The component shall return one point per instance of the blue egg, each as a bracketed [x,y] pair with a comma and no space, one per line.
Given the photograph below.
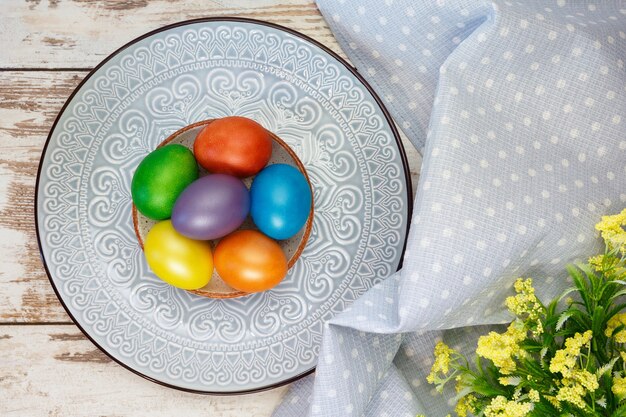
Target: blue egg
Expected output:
[280,201]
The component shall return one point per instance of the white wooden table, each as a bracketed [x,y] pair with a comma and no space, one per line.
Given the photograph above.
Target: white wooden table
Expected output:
[47,367]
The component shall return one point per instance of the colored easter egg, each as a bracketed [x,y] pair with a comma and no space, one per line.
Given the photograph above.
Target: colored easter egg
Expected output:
[280,201]
[211,207]
[249,261]
[233,145]
[182,262]
[160,178]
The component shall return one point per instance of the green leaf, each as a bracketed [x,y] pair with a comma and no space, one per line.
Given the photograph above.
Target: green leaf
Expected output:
[562,319]
[566,293]
[620,412]
[581,284]
[597,323]
[607,367]
[618,294]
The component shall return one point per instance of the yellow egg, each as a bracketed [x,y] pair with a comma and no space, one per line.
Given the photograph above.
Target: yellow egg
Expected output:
[182,262]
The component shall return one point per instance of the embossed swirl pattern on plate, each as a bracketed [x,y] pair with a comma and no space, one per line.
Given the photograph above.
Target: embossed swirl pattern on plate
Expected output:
[178,77]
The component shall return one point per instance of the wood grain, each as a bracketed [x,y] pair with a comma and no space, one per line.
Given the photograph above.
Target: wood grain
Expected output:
[29,102]
[80,33]
[53,370]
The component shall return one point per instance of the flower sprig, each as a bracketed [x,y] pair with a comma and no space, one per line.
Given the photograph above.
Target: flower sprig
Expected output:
[566,358]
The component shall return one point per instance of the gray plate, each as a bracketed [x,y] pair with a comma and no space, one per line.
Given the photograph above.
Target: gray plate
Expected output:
[171,78]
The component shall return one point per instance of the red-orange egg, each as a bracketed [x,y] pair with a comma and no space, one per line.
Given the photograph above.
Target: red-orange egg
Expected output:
[233,145]
[249,261]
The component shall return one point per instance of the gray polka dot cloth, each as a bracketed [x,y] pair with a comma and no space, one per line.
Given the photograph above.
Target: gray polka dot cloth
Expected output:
[519,110]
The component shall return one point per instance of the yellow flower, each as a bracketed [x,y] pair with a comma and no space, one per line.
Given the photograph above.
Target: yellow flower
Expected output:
[442,362]
[596,262]
[533,395]
[573,394]
[576,383]
[619,387]
[583,377]
[526,306]
[576,386]
[553,401]
[615,322]
[623,355]
[465,405]
[501,407]
[510,380]
[503,348]
[612,230]
[603,263]
[565,359]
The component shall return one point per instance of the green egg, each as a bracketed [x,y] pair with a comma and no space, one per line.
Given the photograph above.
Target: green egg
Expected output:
[160,178]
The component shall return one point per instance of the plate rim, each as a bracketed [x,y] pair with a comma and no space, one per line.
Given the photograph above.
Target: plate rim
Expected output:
[333,54]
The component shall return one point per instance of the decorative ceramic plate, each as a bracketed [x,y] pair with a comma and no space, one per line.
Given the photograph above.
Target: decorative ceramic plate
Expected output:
[171,78]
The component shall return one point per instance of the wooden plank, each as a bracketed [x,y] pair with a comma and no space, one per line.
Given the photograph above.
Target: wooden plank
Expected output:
[29,102]
[52,370]
[80,33]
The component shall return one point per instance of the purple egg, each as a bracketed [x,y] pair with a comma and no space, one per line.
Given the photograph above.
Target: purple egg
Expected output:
[211,207]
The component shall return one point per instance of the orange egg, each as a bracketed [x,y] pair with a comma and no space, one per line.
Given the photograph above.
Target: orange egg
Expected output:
[249,261]
[233,145]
